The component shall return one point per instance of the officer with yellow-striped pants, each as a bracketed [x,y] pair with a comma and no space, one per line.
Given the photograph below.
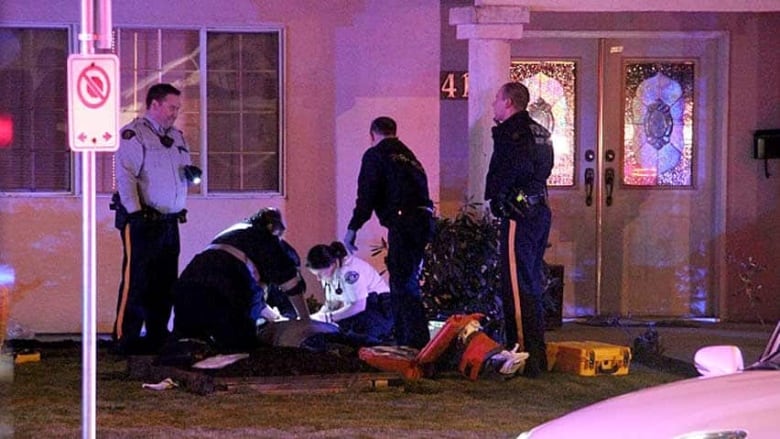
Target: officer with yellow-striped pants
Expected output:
[153,171]
[516,185]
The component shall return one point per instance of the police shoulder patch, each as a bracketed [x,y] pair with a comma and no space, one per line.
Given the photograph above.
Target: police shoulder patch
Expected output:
[128,134]
[351,277]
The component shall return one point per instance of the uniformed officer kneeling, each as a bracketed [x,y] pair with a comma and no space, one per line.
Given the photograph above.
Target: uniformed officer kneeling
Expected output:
[221,296]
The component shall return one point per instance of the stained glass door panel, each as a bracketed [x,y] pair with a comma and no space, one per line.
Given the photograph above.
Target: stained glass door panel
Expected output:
[634,193]
[658,127]
[658,228]
[561,75]
[552,87]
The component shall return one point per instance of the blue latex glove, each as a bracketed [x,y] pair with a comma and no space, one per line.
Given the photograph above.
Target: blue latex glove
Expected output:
[349,240]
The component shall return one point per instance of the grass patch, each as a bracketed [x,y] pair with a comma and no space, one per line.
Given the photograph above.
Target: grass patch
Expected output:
[44,400]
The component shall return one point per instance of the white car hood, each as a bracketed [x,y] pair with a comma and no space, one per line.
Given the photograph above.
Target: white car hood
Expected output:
[747,401]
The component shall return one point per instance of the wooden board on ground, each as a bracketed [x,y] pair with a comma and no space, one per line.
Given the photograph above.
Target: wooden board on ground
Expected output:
[313,384]
[203,383]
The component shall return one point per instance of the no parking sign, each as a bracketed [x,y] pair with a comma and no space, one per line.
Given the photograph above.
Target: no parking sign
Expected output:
[93,102]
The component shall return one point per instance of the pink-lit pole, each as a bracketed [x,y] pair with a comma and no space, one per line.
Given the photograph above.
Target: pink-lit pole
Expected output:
[89,224]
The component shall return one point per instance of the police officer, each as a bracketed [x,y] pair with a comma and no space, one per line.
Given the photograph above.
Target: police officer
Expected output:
[152,166]
[516,185]
[392,183]
[220,296]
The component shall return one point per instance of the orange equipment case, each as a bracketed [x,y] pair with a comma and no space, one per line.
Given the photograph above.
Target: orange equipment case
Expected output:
[411,363]
[588,358]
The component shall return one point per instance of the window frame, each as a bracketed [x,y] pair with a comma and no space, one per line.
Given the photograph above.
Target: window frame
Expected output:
[281,167]
[203,32]
[74,188]
[77,160]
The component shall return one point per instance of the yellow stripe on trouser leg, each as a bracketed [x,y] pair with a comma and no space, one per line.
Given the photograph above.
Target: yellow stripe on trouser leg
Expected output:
[515,285]
[5,306]
[125,282]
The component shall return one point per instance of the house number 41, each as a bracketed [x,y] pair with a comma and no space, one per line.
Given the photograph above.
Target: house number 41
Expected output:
[454,85]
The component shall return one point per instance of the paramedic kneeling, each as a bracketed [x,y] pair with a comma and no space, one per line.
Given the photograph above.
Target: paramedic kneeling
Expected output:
[356,296]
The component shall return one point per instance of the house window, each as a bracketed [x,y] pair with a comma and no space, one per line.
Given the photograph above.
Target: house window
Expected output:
[238,143]
[243,112]
[239,146]
[33,94]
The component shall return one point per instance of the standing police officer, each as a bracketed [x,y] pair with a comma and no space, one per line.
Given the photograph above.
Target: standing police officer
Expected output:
[516,185]
[392,183]
[153,170]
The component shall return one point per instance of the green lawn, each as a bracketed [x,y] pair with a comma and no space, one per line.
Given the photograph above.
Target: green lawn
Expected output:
[44,400]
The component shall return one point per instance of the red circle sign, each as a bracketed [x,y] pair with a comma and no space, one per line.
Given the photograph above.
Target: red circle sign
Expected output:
[94,87]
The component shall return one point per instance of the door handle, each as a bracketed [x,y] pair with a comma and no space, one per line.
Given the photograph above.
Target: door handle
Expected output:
[590,176]
[609,183]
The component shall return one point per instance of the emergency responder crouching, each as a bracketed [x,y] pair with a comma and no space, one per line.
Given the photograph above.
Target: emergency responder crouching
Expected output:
[220,296]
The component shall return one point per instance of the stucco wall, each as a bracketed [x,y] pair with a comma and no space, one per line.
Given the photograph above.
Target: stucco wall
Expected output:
[345,64]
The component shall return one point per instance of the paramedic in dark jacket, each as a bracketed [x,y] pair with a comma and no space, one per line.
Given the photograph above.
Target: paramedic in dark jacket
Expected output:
[392,183]
[151,166]
[516,186]
[220,296]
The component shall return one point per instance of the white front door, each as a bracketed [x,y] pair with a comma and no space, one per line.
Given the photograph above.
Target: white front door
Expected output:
[635,207]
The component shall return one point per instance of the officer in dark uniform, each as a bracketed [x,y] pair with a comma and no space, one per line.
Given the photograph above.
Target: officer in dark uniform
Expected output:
[221,296]
[516,186]
[153,171]
[392,183]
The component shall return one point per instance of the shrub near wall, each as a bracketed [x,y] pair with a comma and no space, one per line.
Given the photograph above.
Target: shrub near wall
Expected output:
[461,272]
[461,269]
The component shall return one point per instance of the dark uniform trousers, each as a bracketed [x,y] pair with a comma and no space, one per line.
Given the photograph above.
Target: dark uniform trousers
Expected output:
[523,242]
[407,236]
[149,270]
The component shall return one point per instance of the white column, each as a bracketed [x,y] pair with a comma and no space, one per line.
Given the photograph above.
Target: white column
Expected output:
[488,69]
[490,26]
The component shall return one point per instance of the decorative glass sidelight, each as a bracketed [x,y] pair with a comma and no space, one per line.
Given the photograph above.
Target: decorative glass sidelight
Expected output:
[552,86]
[658,124]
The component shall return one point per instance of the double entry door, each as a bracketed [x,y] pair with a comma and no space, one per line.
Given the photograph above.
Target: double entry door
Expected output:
[637,131]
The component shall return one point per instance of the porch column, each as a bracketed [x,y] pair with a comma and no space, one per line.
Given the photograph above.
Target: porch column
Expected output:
[489,25]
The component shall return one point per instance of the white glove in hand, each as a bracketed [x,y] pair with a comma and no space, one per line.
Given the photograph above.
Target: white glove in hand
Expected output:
[272,314]
[349,240]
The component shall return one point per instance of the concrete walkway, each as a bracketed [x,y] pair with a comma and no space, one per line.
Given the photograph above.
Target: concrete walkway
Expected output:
[678,340]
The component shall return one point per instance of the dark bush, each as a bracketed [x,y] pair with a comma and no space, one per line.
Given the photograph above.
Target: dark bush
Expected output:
[461,272]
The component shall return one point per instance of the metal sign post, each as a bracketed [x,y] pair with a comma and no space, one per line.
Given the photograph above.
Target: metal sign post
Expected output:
[93,114]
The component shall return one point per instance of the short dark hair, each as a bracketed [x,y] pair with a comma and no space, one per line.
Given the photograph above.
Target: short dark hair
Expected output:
[384,126]
[158,92]
[323,256]
[517,93]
